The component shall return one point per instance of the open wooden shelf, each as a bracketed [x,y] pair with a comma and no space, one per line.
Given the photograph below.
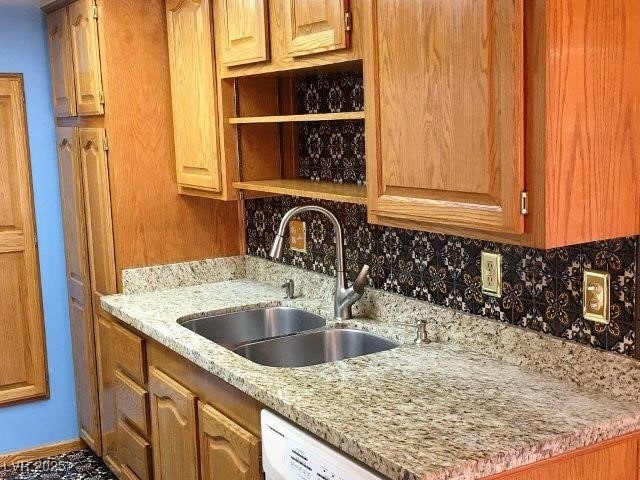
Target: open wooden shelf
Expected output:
[337,192]
[312,117]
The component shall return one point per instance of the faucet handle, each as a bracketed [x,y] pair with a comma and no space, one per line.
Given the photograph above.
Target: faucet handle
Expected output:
[361,280]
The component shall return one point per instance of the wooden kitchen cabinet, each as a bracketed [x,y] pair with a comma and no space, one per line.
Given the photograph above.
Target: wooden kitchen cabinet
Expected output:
[173,428]
[193,94]
[459,78]
[521,118]
[227,451]
[316,26]
[244,25]
[85,46]
[79,286]
[615,459]
[63,90]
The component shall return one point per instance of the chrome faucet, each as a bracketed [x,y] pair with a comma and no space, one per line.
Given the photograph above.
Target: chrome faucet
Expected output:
[344,297]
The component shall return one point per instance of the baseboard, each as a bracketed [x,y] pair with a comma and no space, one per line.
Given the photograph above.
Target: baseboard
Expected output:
[44,451]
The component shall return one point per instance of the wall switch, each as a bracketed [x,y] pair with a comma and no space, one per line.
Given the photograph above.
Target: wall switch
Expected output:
[298,236]
[491,273]
[595,296]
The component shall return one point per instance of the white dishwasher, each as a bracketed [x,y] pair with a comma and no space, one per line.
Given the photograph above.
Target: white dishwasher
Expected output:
[288,453]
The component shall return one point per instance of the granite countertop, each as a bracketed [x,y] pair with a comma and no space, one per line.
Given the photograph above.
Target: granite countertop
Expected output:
[416,412]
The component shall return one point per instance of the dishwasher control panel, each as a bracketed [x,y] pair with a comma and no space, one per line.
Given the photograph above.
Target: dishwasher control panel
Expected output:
[289,453]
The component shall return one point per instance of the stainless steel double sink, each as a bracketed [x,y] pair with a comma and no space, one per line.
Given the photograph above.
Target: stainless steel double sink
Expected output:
[286,337]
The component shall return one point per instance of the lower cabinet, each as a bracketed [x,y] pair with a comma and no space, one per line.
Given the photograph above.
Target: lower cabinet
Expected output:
[173,428]
[615,459]
[227,451]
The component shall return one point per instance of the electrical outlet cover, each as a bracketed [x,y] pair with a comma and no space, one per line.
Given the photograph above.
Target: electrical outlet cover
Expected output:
[298,236]
[491,273]
[596,296]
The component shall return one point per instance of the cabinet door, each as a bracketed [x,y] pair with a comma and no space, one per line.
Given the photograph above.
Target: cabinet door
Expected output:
[173,428]
[314,26]
[193,94]
[97,199]
[61,64]
[23,374]
[81,313]
[107,388]
[86,57]
[244,31]
[227,451]
[456,70]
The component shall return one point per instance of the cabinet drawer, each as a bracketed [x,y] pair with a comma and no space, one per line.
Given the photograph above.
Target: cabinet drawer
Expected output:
[128,353]
[132,402]
[134,453]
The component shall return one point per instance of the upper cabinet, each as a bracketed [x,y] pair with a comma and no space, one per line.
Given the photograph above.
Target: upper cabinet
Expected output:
[83,17]
[74,49]
[257,36]
[454,69]
[314,26]
[504,120]
[244,31]
[193,93]
[61,64]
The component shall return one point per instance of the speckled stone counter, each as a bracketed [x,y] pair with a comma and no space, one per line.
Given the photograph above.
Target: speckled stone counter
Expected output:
[442,411]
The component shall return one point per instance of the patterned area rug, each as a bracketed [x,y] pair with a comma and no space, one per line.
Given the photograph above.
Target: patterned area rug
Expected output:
[81,465]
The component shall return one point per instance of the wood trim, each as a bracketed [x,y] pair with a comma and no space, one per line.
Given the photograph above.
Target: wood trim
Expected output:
[565,457]
[55,5]
[44,451]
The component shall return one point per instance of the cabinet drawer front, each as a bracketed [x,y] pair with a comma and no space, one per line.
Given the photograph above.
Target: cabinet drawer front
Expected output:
[128,353]
[134,453]
[132,402]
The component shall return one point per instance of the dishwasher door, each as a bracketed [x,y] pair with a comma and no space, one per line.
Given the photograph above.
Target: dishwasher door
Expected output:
[289,453]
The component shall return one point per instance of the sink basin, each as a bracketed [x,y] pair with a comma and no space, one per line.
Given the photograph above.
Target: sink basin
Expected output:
[233,329]
[314,348]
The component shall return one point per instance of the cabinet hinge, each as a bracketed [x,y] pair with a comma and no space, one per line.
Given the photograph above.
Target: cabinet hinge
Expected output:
[101,98]
[105,144]
[95,11]
[524,203]
[348,21]
[35,239]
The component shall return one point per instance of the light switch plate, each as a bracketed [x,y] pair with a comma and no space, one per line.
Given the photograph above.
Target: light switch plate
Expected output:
[596,296]
[298,236]
[491,273]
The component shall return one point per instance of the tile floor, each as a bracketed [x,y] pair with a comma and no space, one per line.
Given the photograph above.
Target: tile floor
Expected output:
[81,465]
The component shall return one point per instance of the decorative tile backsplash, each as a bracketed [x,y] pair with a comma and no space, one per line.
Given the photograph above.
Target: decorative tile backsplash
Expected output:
[541,289]
[332,151]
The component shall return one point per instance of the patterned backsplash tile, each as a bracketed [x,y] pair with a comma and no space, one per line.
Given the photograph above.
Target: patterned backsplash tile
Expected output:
[332,151]
[541,290]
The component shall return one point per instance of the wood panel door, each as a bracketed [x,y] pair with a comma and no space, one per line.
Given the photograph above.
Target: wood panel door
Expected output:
[173,428]
[227,451]
[315,26]
[23,372]
[193,94]
[83,17]
[61,64]
[244,26]
[97,201]
[79,287]
[107,384]
[455,69]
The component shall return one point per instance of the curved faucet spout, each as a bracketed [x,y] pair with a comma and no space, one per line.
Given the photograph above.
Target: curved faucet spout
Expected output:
[344,297]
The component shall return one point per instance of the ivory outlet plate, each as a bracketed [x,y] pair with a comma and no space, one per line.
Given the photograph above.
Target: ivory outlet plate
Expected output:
[595,296]
[298,236]
[491,273]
